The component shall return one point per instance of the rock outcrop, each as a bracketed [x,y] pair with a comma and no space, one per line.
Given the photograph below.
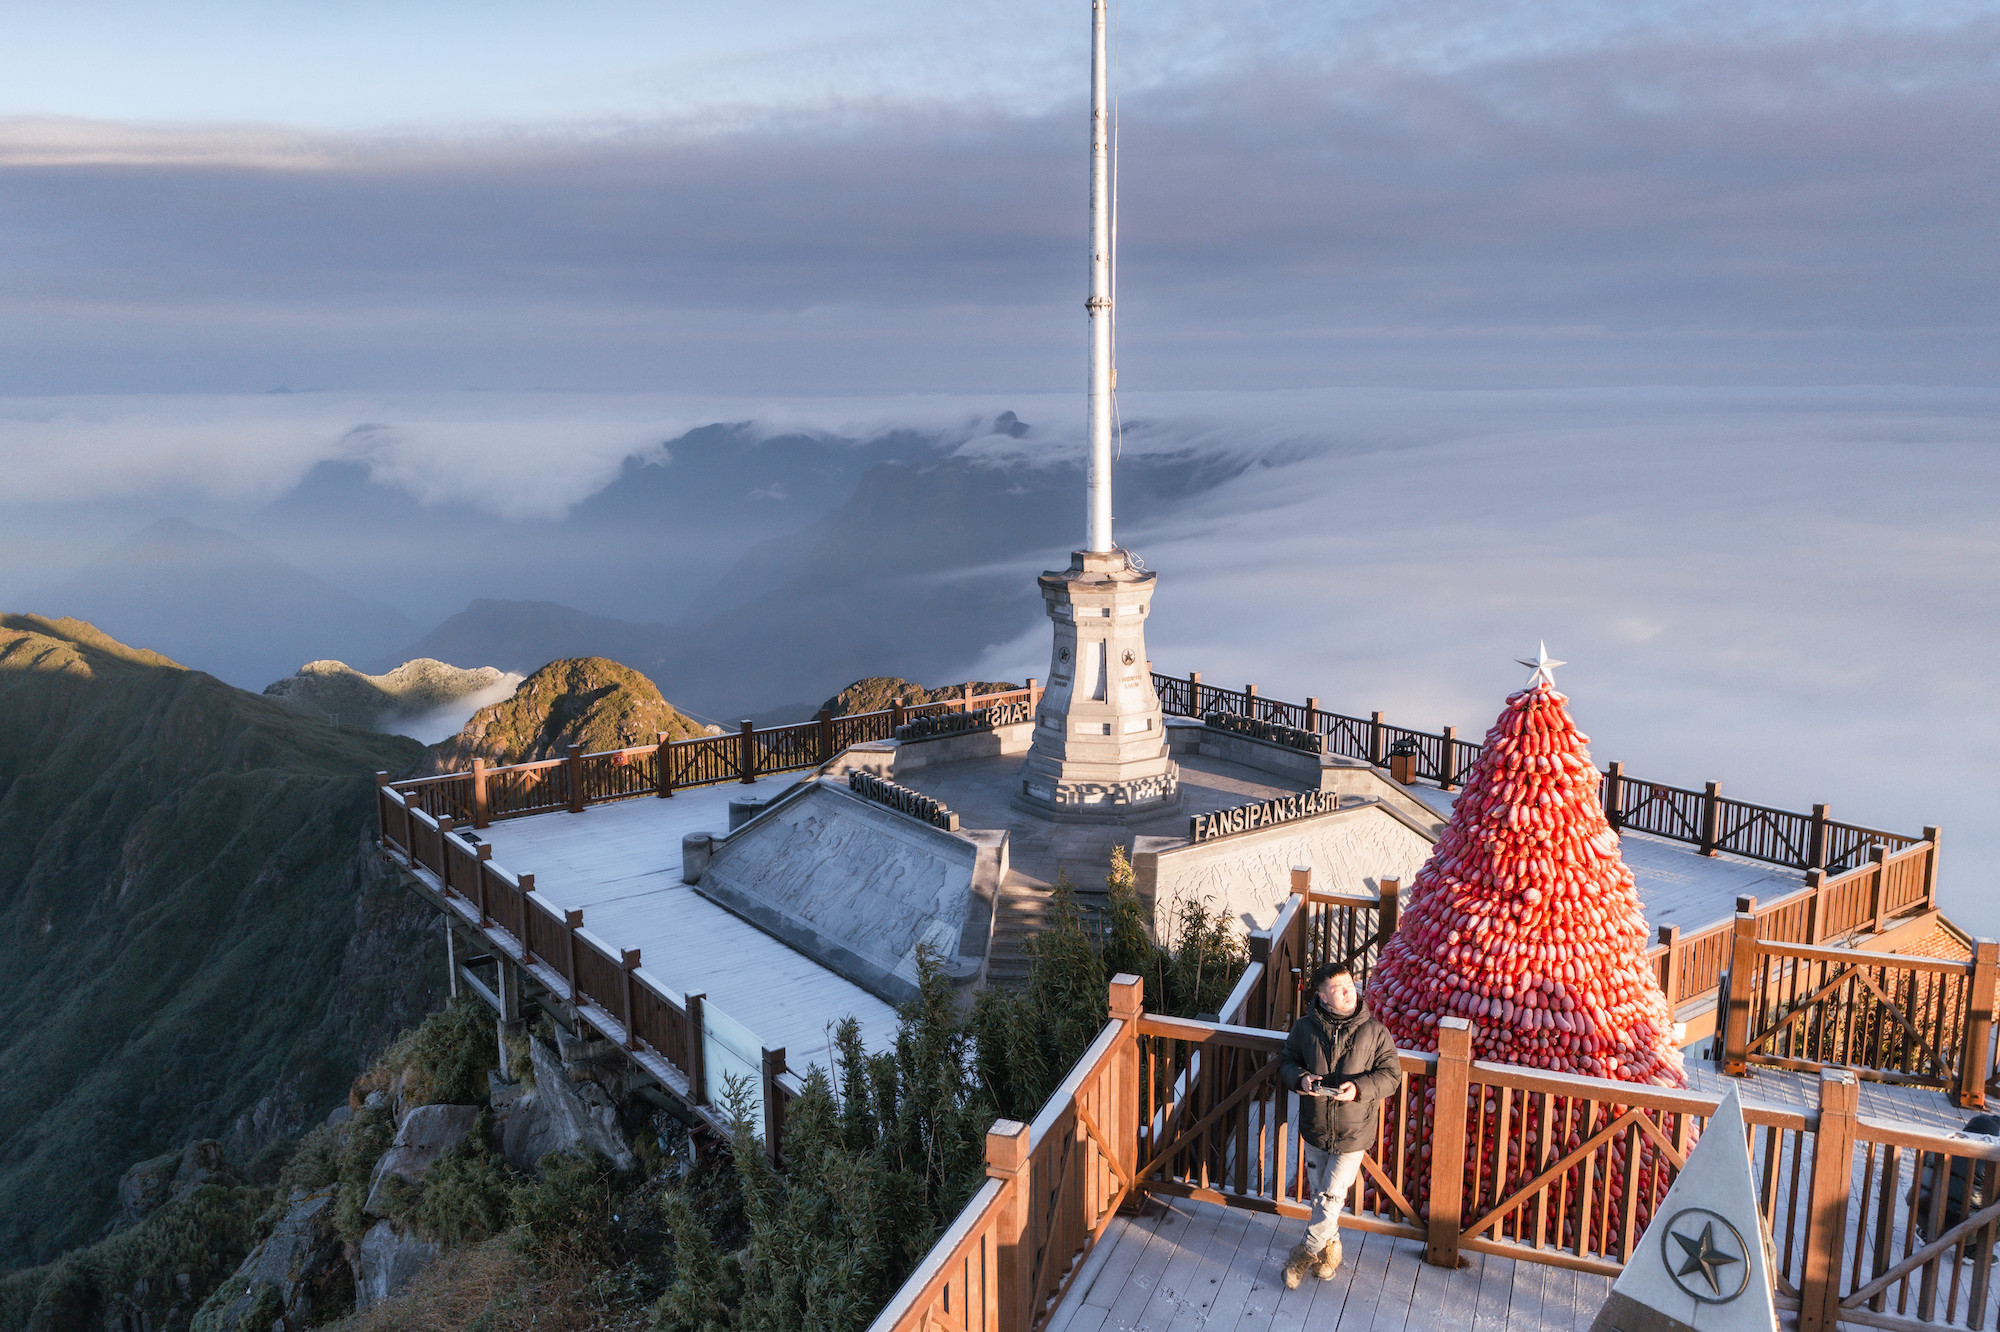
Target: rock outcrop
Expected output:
[389,1258]
[560,1113]
[298,1277]
[427,1132]
[151,1185]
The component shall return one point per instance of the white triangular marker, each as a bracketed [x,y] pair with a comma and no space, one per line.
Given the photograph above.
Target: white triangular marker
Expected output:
[1702,1265]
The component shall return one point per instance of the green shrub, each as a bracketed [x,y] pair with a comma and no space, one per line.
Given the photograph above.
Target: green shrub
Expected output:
[364,1139]
[446,1056]
[468,1193]
[571,1211]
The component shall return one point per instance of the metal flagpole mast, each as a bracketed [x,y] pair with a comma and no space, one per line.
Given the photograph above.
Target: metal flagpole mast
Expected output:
[1099,304]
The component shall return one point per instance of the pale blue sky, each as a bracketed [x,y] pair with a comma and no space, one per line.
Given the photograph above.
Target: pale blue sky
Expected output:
[373,66]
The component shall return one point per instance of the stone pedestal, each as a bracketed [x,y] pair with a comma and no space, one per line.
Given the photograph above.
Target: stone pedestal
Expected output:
[1100,747]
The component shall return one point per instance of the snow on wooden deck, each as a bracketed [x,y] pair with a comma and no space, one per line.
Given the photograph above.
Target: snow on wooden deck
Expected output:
[620,863]
[1195,1267]
[1677,884]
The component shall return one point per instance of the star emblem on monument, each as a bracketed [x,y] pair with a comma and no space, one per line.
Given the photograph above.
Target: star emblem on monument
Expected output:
[1545,667]
[1700,1262]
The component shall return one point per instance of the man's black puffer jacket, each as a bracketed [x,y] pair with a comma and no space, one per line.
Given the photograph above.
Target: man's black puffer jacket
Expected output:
[1356,1049]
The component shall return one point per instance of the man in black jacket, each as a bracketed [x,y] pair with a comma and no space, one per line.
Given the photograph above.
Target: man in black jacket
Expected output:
[1342,1063]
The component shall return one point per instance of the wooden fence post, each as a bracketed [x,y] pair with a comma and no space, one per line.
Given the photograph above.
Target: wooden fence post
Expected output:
[1614,796]
[1711,817]
[1312,714]
[1302,879]
[1448,763]
[825,735]
[1816,852]
[746,755]
[1375,739]
[1250,701]
[1975,1061]
[965,703]
[895,715]
[1121,1123]
[1832,1179]
[1194,693]
[1670,979]
[1742,969]
[1013,1239]
[572,922]
[697,1069]
[527,882]
[480,815]
[774,1107]
[628,962]
[1931,868]
[1816,905]
[1877,881]
[481,854]
[1257,1010]
[1388,903]
[1034,695]
[573,767]
[663,760]
[1454,1080]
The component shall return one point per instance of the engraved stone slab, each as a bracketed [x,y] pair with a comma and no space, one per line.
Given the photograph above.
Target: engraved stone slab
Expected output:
[1703,1265]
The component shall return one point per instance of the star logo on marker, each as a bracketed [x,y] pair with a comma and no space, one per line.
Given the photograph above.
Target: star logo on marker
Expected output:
[1704,1257]
[1545,667]
[1702,1266]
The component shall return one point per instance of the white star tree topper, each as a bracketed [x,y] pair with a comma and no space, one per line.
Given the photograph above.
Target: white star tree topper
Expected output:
[1545,667]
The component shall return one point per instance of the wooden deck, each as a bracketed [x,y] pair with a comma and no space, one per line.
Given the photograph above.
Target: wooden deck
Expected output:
[1195,1267]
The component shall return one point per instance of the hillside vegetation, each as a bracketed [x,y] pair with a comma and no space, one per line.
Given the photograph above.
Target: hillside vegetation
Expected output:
[196,933]
[588,701]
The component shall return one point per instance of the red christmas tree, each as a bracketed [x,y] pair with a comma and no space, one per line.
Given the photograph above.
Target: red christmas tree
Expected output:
[1526,921]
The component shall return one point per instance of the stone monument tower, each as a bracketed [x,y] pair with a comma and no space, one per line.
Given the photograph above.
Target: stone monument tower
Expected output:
[1100,748]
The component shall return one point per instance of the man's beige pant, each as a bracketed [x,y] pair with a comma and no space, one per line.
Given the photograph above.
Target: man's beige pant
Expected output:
[1332,1175]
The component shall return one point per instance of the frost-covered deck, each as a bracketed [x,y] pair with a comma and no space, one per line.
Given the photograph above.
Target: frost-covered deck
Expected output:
[1196,1267]
[620,864]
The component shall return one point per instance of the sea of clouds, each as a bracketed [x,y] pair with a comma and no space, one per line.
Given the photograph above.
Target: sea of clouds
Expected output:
[1790,591]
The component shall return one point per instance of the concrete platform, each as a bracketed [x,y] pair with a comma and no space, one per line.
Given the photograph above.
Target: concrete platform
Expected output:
[620,864]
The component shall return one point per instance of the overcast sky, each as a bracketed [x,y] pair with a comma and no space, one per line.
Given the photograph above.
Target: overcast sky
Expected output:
[829,198]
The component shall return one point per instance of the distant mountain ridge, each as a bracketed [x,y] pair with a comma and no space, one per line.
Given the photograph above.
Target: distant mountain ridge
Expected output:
[337,692]
[224,604]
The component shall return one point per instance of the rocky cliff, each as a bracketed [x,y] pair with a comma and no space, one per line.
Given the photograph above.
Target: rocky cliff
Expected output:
[198,939]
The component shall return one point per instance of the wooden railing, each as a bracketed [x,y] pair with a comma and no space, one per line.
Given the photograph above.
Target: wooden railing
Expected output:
[1868,1219]
[1888,1016]
[578,779]
[1052,1189]
[1704,819]
[602,985]
[1314,928]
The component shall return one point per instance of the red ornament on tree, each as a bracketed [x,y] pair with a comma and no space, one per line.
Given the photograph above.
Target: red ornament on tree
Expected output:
[1525,921]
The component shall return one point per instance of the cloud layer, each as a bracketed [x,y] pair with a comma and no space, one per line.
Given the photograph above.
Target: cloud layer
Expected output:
[1802,202]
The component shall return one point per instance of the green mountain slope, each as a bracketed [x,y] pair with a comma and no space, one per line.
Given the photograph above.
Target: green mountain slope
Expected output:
[197,938]
[588,701]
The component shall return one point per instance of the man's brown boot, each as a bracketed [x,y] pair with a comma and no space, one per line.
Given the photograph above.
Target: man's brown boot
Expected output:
[1296,1266]
[1327,1262]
